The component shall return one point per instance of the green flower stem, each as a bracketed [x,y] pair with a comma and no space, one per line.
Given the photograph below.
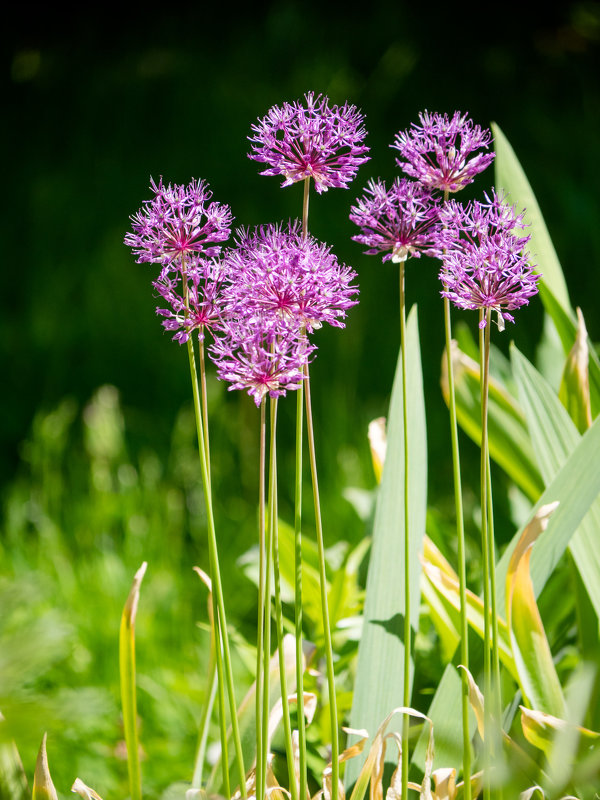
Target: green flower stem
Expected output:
[266,695]
[305,207]
[303,790]
[273,511]
[260,773]
[496,698]
[462,570]
[204,404]
[407,648]
[484,359]
[335,746]
[220,617]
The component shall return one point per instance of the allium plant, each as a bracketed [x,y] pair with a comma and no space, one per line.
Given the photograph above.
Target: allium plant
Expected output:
[311,140]
[178,230]
[323,143]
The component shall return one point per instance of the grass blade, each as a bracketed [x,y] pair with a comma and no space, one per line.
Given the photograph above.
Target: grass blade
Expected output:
[128,687]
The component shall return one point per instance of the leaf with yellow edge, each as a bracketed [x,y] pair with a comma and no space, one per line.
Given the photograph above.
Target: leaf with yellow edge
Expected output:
[477,702]
[541,729]
[84,791]
[378,444]
[448,587]
[128,685]
[43,788]
[574,391]
[536,672]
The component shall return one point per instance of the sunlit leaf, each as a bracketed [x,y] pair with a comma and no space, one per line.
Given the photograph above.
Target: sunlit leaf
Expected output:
[128,684]
[541,729]
[555,438]
[447,585]
[13,782]
[43,788]
[84,791]
[537,674]
[379,678]
[574,392]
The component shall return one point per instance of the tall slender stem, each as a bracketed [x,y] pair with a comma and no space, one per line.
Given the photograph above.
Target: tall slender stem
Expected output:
[287,728]
[215,571]
[303,784]
[335,747]
[266,698]
[407,631]
[462,570]
[260,772]
[204,404]
[484,359]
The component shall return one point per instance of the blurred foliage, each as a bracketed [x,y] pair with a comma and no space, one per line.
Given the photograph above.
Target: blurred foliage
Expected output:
[95,104]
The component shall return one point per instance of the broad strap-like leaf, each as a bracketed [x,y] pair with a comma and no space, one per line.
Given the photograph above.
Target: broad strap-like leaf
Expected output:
[555,437]
[379,679]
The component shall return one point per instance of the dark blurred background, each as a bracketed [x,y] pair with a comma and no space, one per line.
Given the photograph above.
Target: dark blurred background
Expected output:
[96,102]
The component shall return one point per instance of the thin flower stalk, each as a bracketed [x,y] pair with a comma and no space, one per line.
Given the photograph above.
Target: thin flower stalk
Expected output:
[303,778]
[220,618]
[462,571]
[266,651]
[407,647]
[260,770]
[462,561]
[484,358]
[273,512]
[335,747]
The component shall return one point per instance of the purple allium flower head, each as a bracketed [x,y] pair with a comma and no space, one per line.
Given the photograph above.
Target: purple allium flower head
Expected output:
[439,151]
[260,357]
[178,225]
[277,272]
[399,222]
[484,264]
[279,286]
[314,140]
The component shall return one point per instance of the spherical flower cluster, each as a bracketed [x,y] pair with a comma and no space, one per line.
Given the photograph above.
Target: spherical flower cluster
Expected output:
[439,151]
[178,225]
[179,229]
[398,222]
[278,286]
[311,140]
[484,264]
